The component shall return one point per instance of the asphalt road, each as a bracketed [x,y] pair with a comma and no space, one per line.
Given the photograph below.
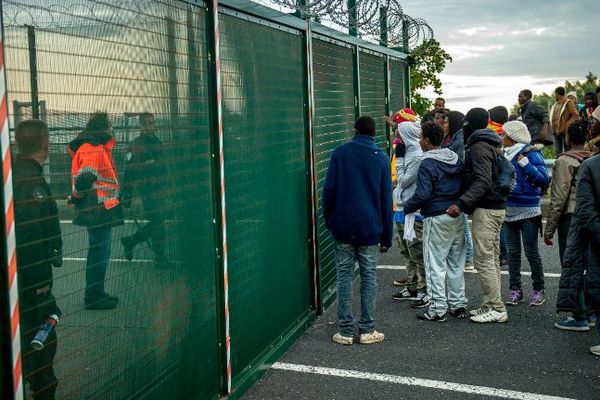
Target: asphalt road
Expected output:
[526,355]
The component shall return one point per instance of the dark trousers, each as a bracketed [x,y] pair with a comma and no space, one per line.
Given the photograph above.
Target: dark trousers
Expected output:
[38,365]
[155,230]
[528,230]
[563,232]
[503,244]
[98,257]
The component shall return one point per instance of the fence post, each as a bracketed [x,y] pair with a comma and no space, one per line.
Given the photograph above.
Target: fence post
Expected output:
[387,99]
[352,18]
[8,249]
[33,73]
[356,62]
[218,173]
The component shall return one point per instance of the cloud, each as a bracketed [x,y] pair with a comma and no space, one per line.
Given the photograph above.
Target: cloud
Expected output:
[474,30]
[479,31]
[529,32]
[465,51]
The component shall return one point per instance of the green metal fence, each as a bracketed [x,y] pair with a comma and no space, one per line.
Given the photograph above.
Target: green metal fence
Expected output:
[167,335]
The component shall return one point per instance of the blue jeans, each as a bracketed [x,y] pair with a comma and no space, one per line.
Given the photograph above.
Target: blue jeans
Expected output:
[529,230]
[346,256]
[503,244]
[98,257]
[444,255]
[468,238]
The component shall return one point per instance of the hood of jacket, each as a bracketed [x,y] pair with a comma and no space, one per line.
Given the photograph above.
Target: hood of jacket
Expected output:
[95,139]
[579,155]
[410,133]
[445,155]
[485,135]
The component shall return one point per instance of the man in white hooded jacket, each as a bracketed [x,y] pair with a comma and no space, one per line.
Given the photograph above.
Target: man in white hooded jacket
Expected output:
[408,159]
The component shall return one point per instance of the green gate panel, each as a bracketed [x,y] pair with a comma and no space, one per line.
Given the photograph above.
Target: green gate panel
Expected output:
[126,58]
[333,125]
[397,95]
[267,190]
[372,93]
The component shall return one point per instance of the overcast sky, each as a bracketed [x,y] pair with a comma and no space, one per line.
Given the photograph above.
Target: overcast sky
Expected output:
[502,46]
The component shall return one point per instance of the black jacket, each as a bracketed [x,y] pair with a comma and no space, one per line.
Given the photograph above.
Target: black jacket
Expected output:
[37,229]
[480,173]
[583,243]
[534,116]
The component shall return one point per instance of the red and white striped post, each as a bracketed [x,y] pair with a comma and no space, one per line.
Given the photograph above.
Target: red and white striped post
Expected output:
[222,173]
[9,222]
[313,203]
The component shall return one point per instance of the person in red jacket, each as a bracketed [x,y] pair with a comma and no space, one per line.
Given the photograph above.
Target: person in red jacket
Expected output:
[95,194]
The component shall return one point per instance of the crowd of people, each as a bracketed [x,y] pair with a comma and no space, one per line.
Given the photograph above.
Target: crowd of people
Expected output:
[486,164]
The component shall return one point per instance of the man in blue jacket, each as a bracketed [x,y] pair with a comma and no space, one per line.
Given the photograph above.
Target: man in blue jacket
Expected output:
[439,183]
[357,207]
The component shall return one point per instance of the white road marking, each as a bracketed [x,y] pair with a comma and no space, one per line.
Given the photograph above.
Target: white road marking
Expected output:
[526,273]
[412,381]
[127,221]
[112,259]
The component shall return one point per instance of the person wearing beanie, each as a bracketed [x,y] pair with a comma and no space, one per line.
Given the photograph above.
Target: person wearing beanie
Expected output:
[561,208]
[572,95]
[486,204]
[454,141]
[535,117]
[498,116]
[523,219]
[357,208]
[562,114]
[407,166]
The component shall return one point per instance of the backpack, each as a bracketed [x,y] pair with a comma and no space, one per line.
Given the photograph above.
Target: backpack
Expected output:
[506,179]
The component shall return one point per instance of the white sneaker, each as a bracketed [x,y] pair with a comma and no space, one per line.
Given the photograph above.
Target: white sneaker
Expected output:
[490,315]
[370,338]
[477,311]
[469,266]
[595,350]
[345,340]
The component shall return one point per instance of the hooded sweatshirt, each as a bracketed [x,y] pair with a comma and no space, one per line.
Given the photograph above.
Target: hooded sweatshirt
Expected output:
[407,166]
[439,183]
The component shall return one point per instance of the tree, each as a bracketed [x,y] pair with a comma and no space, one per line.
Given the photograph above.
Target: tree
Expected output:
[546,100]
[429,60]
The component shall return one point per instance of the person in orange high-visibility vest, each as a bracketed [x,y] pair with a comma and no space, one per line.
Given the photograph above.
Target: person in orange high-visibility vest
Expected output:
[95,194]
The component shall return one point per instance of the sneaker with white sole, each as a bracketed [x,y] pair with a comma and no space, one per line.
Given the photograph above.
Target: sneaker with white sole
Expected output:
[591,320]
[341,339]
[405,294]
[469,265]
[537,298]
[421,301]
[370,338]
[490,316]
[595,350]
[571,324]
[477,311]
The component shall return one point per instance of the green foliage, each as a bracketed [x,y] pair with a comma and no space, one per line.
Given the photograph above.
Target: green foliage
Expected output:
[429,60]
[548,152]
[589,84]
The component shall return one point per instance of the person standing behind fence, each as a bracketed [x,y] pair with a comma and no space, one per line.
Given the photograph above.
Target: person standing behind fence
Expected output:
[439,184]
[581,266]
[39,248]
[483,199]
[357,208]
[523,212]
[562,114]
[95,194]
[562,206]
[146,176]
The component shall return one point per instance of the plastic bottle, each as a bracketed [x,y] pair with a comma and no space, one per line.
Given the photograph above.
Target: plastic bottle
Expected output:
[39,341]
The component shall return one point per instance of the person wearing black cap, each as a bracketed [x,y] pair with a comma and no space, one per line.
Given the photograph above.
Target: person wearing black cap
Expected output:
[487,205]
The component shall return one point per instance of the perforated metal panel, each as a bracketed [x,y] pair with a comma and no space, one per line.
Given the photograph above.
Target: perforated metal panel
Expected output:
[265,170]
[372,93]
[397,91]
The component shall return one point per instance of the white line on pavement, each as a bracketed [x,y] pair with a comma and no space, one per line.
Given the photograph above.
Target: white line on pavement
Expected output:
[411,381]
[526,273]
[112,259]
[127,221]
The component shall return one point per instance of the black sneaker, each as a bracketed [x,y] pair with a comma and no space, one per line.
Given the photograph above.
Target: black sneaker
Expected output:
[459,313]
[421,301]
[428,316]
[127,247]
[405,294]
[104,303]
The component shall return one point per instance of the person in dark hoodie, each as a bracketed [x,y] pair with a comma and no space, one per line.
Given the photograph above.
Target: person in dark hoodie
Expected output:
[581,263]
[562,206]
[487,205]
[455,141]
[439,183]
[357,208]
[536,119]
[95,194]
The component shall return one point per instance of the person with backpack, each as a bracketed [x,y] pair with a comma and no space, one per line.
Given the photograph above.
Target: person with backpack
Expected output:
[562,206]
[523,220]
[488,178]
